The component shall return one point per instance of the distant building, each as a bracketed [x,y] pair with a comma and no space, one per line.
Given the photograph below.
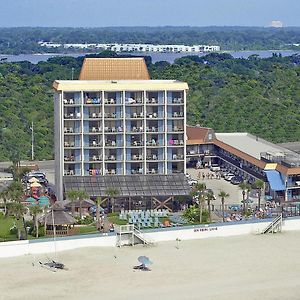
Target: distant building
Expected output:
[136,47]
[276,24]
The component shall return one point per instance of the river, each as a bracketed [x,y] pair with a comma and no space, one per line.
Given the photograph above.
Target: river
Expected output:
[169,57]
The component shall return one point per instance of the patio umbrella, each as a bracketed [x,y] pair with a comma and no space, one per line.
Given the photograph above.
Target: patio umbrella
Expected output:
[33,179]
[35,184]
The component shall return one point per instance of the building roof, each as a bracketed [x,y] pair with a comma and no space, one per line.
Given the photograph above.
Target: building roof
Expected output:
[130,185]
[59,217]
[198,135]
[241,154]
[118,85]
[114,69]
[248,143]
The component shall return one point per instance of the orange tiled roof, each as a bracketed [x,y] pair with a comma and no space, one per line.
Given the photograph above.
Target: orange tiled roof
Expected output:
[114,69]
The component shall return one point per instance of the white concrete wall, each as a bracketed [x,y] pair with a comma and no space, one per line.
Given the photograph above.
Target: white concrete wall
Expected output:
[18,248]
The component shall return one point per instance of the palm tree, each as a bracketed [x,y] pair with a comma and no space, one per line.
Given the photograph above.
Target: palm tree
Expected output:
[223,195]
[34,211]
[98,203]
[248,190]
[77,195]
[209,197]
[112,192]
[243,187]
[198,192]
[4,195]
[17,210]
[260,186]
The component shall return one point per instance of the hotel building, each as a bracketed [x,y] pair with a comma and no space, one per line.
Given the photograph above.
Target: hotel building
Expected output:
[114,121]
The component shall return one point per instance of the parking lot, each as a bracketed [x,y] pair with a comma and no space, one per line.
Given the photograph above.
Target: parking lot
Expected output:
[217,185]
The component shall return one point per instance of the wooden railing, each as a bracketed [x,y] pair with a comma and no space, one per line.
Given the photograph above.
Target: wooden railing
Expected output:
[64,232]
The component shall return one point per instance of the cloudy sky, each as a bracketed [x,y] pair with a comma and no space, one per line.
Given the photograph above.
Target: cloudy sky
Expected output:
[99,13]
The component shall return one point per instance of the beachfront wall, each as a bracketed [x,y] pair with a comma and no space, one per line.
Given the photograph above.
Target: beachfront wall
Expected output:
[19,248]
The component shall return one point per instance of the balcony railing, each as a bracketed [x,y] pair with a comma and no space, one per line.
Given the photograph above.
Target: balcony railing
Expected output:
[72,116]
[176,143]
[92,101]
[113,129]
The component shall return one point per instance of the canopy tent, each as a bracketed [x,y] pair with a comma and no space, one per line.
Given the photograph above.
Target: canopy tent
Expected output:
[35,185]
[33,179]
[31,200]
[43,200]
[275,180]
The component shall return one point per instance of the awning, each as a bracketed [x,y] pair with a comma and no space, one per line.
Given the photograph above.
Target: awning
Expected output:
[275,180]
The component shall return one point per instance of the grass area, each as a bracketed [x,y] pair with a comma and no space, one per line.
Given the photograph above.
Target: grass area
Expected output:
[86,229]
[5,224]
[114,218]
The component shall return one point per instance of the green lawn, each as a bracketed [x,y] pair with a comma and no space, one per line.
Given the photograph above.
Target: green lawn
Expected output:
[5,224]
[86,229]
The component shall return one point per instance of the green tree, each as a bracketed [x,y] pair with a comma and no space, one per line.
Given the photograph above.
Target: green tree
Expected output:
[198,192]
[223,195]
[77,195]
[35,210]
[17,210]
[243,186]
[112,192]
[260,186]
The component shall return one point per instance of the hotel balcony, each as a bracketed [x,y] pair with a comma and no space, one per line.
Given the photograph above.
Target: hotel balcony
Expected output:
[92,101]
[113,129]
[72,144]
[136,143]
[72,115]
[175,143]
[71,130]
[95,130]
[92,116]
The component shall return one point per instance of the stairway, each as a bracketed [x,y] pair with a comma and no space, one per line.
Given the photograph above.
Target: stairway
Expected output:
[274,226]
[130,235]
[145,240]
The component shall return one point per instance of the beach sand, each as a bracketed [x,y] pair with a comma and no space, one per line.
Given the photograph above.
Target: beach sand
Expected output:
[243,267]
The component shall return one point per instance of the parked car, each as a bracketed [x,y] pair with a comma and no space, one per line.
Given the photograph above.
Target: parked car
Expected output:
[229,176]
[192,163]
[188,176]
[215,168]
[192,182]
[247,201]
[236,180]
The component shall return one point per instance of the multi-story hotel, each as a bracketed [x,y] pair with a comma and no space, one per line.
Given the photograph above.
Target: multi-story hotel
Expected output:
[109,126]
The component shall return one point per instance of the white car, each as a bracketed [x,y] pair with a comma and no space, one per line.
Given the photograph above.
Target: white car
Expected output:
[192,182]
[229,176]
[215,168]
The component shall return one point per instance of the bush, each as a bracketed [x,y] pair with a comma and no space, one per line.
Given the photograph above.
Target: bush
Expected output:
[13,230]
[192,214]
[85,221]
[41,231]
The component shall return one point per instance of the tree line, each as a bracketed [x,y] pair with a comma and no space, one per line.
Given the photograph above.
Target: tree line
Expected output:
[259,96]
[25,39]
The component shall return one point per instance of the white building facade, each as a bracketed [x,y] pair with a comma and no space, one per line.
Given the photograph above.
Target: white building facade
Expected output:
[119,128]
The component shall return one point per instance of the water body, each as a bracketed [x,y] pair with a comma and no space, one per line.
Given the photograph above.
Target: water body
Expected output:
[169,57]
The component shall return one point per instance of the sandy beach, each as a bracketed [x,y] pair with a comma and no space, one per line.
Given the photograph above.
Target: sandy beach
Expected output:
[244,267]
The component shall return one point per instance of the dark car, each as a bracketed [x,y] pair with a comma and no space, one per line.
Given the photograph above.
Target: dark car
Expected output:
[236,180]
[192,163]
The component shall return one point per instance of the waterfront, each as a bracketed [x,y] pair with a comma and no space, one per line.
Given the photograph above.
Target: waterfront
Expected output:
[169,57]
[245,267]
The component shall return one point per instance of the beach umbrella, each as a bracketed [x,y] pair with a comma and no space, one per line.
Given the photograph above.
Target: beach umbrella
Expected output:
[33,179]
[35,185]
[144,260]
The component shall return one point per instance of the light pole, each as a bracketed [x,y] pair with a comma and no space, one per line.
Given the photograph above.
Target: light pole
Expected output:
[32,141]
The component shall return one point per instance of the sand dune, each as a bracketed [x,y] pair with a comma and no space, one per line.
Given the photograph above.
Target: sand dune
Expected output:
[244,267]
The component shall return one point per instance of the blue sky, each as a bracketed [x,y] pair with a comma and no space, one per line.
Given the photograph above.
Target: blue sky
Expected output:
[100,13]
